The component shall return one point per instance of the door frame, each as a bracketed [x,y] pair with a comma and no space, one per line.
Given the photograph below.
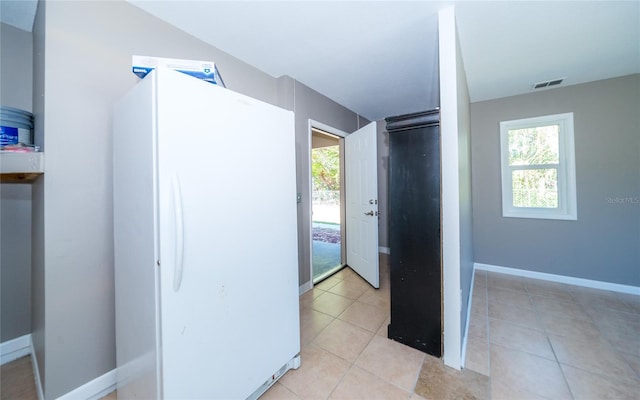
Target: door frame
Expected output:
[341,134]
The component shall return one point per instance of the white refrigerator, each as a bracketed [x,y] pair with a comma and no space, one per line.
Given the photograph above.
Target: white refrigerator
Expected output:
[206,263]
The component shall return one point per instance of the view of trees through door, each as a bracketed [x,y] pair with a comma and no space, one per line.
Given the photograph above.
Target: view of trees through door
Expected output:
[326,204]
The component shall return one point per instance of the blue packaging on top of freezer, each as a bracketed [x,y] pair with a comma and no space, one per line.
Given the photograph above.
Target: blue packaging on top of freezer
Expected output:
[205,70]
[8,135]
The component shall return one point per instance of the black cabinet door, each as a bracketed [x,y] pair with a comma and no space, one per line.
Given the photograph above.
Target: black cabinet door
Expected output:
[414,235]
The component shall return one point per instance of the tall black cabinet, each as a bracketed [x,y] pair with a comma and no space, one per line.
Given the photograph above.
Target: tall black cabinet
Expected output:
[414,231]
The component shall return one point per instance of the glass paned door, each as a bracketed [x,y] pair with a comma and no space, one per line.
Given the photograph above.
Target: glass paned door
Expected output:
[326,205]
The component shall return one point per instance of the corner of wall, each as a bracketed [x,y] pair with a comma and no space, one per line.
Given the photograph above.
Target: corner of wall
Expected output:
[450,187]
[37,203]
[285,92]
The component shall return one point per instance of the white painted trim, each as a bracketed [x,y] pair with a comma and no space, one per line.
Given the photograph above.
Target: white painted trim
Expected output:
[305,287]
[450,191]
[334,131]
[384,250]
[309,189]
[465,334]
[326,128]
[15,348]
[566,179]
[614,287]
[36,370]
[95,389]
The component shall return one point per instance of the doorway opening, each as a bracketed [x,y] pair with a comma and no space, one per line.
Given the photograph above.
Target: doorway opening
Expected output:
[327,207]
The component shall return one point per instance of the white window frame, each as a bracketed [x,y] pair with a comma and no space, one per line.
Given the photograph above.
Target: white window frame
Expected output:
[567,204]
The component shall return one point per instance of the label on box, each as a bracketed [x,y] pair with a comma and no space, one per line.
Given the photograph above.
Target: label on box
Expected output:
[205,70]
[8,135]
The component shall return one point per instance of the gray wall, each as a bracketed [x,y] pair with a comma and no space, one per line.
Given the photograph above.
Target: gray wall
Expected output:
[431,102]
[15,260]
[309,104]
[16,60]
[383,184]
[73,311]
[604,243]
[87,66]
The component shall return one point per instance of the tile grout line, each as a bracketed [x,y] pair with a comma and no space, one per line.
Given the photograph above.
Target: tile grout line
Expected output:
[592,319]
[411,391]
[606,339]
[534,308]
[341,378]
[417,378]
[546,332]
[375,334]
[353,363]
[564,377]
[312,341]
[583,304]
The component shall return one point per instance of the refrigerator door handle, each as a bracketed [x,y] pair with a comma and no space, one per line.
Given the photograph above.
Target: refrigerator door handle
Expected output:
[179,236]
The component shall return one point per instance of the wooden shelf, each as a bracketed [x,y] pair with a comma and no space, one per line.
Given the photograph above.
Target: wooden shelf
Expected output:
[20,167]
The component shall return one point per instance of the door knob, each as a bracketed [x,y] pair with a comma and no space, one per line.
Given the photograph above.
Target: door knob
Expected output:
[369,213]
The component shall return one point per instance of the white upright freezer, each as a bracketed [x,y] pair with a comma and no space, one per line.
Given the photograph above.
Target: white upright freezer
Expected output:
[205,241]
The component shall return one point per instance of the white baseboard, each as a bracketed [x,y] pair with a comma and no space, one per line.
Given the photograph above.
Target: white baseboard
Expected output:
[36,370]
[384,250]
[614,287]
[15,348]
[305,287]
[465,334]
[95,389]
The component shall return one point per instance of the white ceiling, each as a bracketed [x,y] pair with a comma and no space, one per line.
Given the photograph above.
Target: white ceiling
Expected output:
[377,57]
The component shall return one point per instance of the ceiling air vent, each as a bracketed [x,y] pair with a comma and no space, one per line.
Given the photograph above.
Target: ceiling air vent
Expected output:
[550,83]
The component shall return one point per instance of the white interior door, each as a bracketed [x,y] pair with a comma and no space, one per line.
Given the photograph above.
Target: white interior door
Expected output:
[361,190]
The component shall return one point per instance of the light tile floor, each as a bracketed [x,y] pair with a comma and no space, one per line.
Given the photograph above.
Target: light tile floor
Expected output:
[528,339]
[17,380]
[545,340]
[344,350]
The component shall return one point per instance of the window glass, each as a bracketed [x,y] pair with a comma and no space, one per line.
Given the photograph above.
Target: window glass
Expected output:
[538,168]
[535,188]
[531,146]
